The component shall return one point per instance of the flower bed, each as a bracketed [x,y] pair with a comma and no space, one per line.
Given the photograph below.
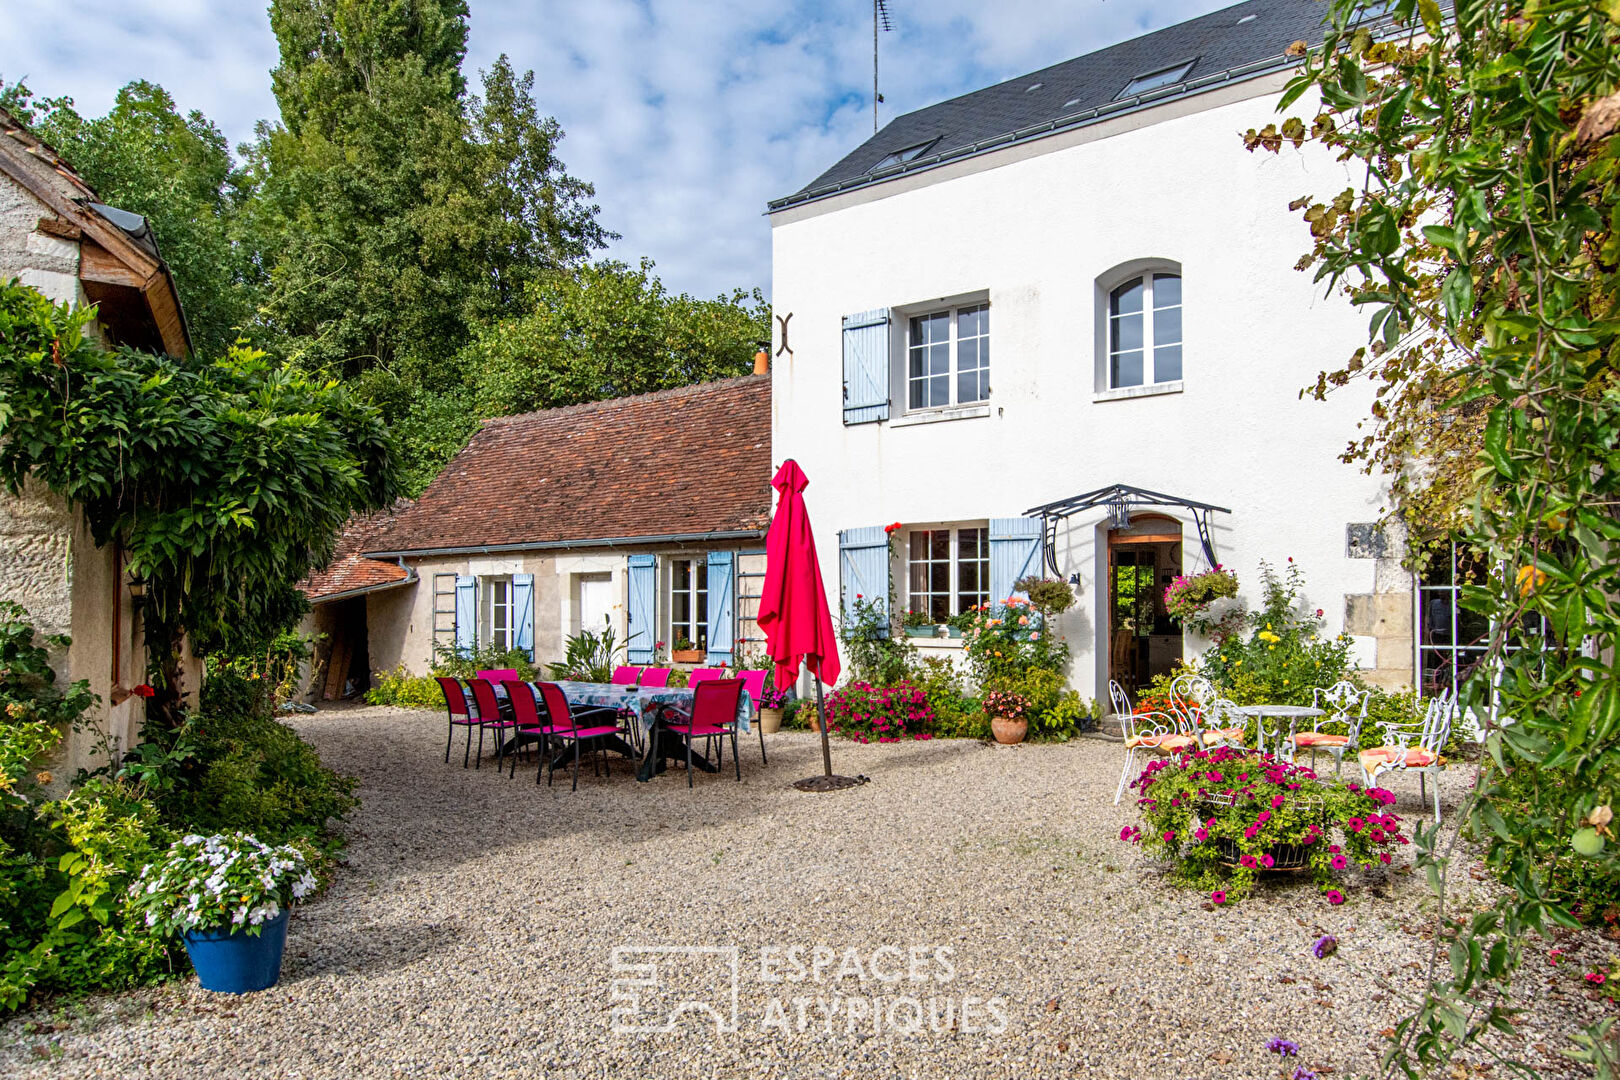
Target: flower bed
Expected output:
[888,714]
[1222,816]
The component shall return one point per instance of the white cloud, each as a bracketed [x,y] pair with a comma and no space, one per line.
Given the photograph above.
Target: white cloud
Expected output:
[687,115]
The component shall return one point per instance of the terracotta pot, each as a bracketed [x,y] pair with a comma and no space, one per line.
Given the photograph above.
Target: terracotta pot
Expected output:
[770,721]
[686,656]
[1008,731]
[814,717]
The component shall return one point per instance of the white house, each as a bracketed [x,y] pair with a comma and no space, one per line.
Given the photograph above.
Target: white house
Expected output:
[1079,282]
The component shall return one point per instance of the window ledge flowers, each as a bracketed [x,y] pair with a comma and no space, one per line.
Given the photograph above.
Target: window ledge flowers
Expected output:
[1224,816]
[229,882]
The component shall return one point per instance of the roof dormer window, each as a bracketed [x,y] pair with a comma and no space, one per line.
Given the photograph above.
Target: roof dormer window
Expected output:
[1152,80]
[900,157]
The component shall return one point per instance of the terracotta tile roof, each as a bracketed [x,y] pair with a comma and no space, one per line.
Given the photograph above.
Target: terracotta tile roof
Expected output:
[691,461]
[349,571]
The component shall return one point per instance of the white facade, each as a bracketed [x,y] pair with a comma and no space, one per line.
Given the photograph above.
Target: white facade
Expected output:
[1041,232]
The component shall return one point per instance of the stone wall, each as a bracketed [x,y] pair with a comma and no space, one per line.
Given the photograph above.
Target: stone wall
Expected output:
[1381,621]
[36,567]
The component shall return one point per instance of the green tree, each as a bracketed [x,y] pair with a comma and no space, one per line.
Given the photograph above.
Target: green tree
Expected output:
[604,330]
[1485,239]
[177,172]
[397,209]
[223,482]
[609,330]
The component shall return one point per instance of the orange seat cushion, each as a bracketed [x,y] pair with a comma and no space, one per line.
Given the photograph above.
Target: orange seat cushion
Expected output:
[1320,738]
[1167,743]
[1225,734]
[1416,758]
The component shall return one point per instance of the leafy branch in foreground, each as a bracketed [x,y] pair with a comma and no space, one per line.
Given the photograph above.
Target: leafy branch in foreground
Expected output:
[1485,240]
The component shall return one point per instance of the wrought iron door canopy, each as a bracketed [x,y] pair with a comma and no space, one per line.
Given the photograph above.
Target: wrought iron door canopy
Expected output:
[1119,498]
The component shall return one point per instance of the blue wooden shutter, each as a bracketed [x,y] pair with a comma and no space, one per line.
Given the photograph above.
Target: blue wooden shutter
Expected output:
[523,612]
[641,628]
[1015,552]
[863,566]
[721,607]
[466,615]
[866,367]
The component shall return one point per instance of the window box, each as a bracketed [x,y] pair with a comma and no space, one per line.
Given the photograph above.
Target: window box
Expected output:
[922,631]
[686,656]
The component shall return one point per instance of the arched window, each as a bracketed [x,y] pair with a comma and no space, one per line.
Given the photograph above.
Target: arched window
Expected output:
[1142,335]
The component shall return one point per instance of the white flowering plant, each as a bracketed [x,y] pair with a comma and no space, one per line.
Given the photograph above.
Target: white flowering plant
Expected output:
[227,881]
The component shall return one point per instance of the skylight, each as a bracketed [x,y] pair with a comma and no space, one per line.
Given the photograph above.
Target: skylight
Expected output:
[1032,89]
[1155,79]
[900,157]
[1247,18]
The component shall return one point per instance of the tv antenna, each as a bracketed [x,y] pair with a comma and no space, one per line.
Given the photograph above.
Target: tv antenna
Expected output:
[880,21]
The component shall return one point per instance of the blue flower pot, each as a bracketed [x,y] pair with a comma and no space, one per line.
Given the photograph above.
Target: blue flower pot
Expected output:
[234,962]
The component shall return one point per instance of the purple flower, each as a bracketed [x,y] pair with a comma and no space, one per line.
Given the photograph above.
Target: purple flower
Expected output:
[1283,1047]
[1325,946]
[1302,1073]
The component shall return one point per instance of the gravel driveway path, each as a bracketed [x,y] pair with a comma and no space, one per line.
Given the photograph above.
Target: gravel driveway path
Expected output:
[472,933]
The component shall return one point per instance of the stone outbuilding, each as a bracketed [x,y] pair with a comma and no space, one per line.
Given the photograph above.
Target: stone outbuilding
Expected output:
[58,237]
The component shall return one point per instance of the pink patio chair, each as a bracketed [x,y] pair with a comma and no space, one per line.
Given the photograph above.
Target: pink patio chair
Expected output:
[498,675]
[624,675]
[657,677]
[490,715]
[461,715]
[704,674]
[754,682]
[714,716]
[563,726]
[527,723]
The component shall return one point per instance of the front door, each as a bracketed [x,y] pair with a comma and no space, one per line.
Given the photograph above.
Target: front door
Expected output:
[1143,642]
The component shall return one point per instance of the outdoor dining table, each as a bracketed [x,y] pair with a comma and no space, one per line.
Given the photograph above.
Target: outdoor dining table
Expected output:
[647,704]
[1292,713]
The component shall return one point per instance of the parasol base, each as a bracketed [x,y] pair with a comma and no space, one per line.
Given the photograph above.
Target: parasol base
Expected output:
[830,783]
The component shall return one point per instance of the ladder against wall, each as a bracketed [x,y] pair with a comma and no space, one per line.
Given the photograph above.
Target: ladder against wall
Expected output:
[444,613]
[750,589]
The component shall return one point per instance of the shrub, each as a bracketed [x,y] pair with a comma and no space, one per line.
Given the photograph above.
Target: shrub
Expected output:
[1064,720]
[1588,888]
[448,660]
[1283,658]
[63,922]
[34,714]
[1218,815]
[588,657]
[872,651]
[957,713]
[255,774]
[1005,640]
[399,687]
[883,714]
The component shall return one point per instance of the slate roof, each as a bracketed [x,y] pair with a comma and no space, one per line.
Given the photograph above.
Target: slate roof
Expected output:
[350,572]
[689,462]
[1083,90]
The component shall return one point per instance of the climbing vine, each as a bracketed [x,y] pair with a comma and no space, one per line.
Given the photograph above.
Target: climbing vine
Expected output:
[222,482]
[1484,239]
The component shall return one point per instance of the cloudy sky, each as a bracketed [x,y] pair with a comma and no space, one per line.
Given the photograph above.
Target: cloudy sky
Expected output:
[687,115]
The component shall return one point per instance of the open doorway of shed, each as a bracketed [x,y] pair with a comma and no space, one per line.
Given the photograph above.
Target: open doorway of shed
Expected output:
[1143,641]
[343,654]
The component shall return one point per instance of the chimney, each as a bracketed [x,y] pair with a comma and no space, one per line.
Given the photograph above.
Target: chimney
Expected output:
[762,363]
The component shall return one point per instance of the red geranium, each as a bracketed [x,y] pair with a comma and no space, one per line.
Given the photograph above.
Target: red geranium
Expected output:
[143,690]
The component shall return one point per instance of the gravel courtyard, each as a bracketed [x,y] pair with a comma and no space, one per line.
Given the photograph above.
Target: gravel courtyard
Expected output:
[473,933]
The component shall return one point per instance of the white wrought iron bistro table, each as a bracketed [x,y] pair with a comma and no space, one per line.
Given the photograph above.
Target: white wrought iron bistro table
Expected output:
[1292,713]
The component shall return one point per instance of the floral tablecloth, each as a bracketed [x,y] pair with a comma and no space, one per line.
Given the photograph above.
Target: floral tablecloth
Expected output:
[645,701]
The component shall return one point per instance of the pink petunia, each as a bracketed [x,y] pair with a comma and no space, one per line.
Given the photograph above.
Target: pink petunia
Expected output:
[1384,857]
[1335,897]
[1169,835]
[1277,801]
[1201,833]
[1248,862]
[1340,862]
[1334,849]
[1267,861]
[1218,896]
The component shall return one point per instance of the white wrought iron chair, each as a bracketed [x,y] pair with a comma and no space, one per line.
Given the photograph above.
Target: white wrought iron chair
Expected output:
[1208,717]
[1345,705]
[1414,746]
[1145,733]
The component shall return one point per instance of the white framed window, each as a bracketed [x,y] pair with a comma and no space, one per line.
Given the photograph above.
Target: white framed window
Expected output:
[1452,640]
[1143,332]
[500,612]
[947,571]
[948,357]
[689,602]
